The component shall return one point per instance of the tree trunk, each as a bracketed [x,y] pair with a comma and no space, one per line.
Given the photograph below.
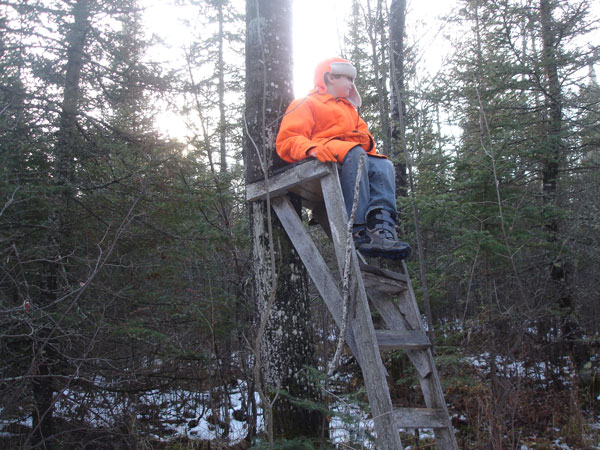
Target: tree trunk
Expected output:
[397,26]
[554,108]
[58,229]
[376,30]
[552,159]
[221,74]
[287,346]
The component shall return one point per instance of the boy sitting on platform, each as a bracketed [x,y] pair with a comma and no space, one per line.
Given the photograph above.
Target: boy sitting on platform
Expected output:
[325,125]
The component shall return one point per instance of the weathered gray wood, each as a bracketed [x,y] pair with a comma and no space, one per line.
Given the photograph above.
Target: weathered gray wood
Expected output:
[309,192]
[383,273]
[408,304]
[283,182]
[383,285]
[405,316]
[430,385]
[402,340]
[403,319]
[397,322]
[372,368]
[315,264]
[419,418]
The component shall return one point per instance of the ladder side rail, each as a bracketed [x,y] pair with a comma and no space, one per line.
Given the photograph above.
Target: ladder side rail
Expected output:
[424,364]
[434,398]
[428,376]
[430,385]
[388,437]
[408,304]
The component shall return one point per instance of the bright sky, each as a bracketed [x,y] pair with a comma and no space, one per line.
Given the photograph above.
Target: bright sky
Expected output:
[318,31]
[318,28]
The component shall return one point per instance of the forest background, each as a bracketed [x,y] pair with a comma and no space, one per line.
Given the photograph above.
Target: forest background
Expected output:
[128,305]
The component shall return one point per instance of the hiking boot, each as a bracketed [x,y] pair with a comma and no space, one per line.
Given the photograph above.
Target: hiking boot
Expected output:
[359,233]
[380,238]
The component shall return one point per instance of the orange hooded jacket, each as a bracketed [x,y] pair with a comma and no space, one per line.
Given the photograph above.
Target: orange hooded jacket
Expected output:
[321,119]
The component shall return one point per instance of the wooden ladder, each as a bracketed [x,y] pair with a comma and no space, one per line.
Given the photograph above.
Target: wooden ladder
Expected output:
[318,186]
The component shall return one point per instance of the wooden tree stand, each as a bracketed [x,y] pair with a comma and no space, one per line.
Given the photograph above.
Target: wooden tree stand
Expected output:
[319,187]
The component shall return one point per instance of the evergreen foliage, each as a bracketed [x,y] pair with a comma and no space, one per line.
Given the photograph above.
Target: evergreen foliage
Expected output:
[126,282]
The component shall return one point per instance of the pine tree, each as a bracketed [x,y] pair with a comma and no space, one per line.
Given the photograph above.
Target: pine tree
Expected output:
[214,89]
[81,166]
[495,215]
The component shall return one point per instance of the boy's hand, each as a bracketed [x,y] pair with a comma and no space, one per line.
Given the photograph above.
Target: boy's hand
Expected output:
[323,154]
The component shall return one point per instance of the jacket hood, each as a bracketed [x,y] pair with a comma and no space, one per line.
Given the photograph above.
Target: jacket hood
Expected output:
[337,66]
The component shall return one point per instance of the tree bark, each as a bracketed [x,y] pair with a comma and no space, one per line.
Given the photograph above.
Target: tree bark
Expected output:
[287,347]
[397,26]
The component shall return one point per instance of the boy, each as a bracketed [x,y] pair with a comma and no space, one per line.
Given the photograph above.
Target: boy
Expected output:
[326,126]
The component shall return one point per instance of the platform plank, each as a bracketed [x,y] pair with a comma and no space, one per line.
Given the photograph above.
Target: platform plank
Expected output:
[281,183]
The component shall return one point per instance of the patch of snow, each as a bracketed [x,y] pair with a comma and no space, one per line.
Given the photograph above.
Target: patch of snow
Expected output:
[350,424]
[536,371]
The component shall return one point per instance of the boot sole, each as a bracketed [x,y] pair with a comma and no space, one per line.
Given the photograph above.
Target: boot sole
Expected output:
[389,254]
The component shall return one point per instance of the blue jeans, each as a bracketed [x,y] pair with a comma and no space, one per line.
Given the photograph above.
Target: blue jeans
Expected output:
[377,185]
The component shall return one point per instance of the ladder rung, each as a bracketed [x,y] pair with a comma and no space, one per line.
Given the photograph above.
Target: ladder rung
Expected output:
[404,340]
[420,418]
[385,273]
[383,285]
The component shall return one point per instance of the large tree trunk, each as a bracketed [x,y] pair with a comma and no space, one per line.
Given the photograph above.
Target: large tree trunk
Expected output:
[287,346]
[52,276]
[553,154]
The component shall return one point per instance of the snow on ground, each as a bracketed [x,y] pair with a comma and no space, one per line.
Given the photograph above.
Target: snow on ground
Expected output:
[169,414]
[350,424]
[179,412]
[511,368]
[349,421]
[176,412]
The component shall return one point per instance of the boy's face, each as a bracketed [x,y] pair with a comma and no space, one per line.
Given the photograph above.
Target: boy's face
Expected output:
[339,85]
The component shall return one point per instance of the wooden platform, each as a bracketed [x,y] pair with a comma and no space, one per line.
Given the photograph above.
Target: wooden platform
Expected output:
[302,179]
